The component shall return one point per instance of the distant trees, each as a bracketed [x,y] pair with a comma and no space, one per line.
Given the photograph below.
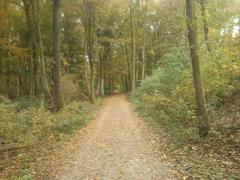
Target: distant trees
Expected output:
[13,77]
[138,17]
[105,45]
[37,72]
[200,97]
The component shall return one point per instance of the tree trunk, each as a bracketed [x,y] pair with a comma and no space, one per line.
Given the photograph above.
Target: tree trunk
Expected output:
[102,57]
[200,97]
[41,56]
[27,8]
[133,47]
[205,24]
[36,56]
[89,30]
[58,100]
[143,55]
[3,22]
[128,68]
[145,12]
[1,75]
[91,64]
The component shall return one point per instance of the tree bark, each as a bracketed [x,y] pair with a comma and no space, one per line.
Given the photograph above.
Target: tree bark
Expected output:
[143,54]
[133,47]
[27,8]
[3,35]
[200,97]
[144,40]
[89,30]
[58,100]
[104,55]
[102,92]
[41,55]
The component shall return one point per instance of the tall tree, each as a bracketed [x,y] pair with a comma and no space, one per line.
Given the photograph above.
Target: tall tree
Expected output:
[41,58]
[27,8]
[3,43]
[90,43]
[200,97]
[133,45]
[144,38]
[36,62]
[58,100]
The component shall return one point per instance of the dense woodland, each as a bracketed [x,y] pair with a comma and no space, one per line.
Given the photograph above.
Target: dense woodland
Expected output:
[179,60]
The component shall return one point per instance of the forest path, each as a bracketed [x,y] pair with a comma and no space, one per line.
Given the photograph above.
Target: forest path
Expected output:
[116,145]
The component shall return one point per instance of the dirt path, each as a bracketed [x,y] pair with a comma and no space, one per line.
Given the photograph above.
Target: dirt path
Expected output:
[117,145]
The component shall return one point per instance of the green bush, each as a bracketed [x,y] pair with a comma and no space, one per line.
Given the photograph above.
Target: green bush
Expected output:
[23,103]
[165,78]
[168,94]
[33,124]
[25,175]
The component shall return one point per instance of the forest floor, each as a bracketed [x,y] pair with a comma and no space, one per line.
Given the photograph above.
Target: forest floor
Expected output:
[116,145]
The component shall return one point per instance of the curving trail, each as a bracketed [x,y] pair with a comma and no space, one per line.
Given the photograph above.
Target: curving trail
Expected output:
[116,145]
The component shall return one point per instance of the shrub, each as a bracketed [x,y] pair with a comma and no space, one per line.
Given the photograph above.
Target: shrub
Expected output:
[23,103]
[168,94]
[33,124]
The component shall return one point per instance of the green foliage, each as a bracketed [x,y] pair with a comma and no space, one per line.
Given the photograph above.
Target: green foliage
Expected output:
[26,103]
[168,95]
[26,175]
[32,124]
[166,77]
[162,95]
[220,76]
[68,123]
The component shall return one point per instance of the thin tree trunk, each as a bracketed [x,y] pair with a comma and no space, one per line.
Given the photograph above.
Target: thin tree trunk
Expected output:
[41,56]
[27,8]
[200,97]
[86,66]
[143,55]
[58,100]
[86,77]
[1,75]
[36,53]
[89,29]
[127,64]
[102,86]
[205,24]
[102,93]
[133,47]
[102,75]
[144,42]
[3,21]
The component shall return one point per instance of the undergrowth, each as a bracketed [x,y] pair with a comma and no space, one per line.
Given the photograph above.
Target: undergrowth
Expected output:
[29,124]
[168,95]
[167,99]
[25,123]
